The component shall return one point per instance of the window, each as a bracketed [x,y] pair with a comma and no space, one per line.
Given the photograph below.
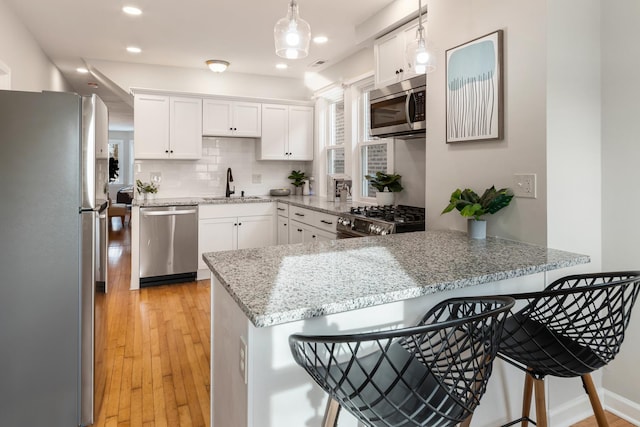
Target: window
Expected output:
[375,155]
[335,160]
[335,141]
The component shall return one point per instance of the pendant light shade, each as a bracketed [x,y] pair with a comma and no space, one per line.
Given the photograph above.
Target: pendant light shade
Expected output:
[419,52]
[292,34]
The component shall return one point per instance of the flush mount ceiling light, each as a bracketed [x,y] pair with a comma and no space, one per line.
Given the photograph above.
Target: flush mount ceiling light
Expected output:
[320,39]
[217,65]
[419,53]
[131,10]
[292,34]
[82,70]
[134,49]
[282,66]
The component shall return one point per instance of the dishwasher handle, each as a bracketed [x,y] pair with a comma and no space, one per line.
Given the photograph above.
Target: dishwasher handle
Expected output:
[170,213]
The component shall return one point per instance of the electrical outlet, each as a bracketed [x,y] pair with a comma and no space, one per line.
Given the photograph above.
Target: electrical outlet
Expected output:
[243,359]
[256,178]
[524,185]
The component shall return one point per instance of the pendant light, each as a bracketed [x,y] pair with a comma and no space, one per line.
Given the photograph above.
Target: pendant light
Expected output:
[292,34]
[423,58]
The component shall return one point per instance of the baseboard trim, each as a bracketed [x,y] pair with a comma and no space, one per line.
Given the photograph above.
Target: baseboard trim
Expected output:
[571,412]
[622,407]
[580,408]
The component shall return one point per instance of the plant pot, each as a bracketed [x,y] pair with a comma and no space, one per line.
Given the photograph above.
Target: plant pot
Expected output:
[298,191]
[384,198]
[477,229]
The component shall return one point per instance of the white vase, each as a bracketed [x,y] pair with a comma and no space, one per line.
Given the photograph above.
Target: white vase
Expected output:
[384,198]
[477,229]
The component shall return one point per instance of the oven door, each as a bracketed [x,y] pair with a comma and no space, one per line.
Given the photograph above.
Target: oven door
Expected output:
[343,234]
[398,114]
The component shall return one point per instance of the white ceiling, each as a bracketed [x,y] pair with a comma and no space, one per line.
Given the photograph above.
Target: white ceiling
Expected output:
[186,33]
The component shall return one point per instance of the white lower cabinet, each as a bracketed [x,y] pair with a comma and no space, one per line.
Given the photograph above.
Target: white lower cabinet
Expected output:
[233,226]
[283,230]
[304,233]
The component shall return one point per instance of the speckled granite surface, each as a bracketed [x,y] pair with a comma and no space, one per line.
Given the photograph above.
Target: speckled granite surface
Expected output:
[311,202]
[285,283]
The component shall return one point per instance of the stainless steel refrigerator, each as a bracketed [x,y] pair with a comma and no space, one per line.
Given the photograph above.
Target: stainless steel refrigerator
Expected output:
[53,258]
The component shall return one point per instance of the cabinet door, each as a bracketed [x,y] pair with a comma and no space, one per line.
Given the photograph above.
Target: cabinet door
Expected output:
[255,231]
[185,128]
[322,236]
[216,234]
[389,58]
[247,119]
[151,126]
[300,133]
[283,230]
[217,117]
[275,133]
[296,232]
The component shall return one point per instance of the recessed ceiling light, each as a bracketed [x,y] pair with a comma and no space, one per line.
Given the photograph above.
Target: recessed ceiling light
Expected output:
[282,66]
[133,49]
[320,39]
[131,10]
[217,65]
[82,70]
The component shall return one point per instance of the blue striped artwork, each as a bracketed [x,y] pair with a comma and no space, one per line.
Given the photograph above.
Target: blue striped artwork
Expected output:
[473,95]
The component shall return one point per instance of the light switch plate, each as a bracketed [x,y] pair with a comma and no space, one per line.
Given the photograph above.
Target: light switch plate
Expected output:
[524,185]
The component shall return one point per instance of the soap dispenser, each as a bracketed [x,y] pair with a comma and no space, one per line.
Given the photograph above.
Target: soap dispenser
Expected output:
[305,188]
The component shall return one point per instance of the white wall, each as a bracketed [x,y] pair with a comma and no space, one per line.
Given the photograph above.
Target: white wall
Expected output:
[207,176]
[176,79]
[31,70]
[620,183]
[478,165]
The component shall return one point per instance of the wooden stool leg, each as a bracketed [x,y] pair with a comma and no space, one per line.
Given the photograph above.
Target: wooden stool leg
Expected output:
[331,413]
[587,382]
[541,406]
[526,399]
[467,422]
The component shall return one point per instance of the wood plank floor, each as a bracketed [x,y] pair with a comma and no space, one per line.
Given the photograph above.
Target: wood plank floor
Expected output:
[158,348]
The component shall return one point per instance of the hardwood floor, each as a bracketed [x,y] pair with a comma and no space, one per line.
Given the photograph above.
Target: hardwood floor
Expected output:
[158,349]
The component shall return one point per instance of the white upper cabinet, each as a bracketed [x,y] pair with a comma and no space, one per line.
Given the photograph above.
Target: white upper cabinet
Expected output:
[167,127]
[231,118]
[287,133]
[390,53]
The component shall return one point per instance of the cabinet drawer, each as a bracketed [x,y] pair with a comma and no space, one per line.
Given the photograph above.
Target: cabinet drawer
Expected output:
[325,221]
[301,214]
[282,209]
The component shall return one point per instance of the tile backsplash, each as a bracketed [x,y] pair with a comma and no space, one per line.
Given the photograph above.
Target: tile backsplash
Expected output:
[207,176]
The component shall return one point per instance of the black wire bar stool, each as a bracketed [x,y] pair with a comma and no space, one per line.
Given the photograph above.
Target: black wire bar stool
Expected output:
[432,374]
[572,328]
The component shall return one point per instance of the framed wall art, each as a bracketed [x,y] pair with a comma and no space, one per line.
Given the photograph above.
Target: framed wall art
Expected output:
[474,90]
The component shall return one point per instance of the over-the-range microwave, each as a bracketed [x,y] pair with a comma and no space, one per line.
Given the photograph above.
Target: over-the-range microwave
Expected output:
[398,110]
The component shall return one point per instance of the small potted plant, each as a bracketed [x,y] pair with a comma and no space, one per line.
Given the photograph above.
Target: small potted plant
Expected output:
[385,184]
[146,188]
[298,178]
[472,206]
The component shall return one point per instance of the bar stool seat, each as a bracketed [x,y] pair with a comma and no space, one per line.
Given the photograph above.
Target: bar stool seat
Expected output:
[572,328]
[431,375]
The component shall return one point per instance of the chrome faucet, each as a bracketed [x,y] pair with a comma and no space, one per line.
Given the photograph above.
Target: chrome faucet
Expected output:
[229,192]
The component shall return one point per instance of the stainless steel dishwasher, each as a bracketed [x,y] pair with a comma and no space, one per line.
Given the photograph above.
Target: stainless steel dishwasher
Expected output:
[168,244]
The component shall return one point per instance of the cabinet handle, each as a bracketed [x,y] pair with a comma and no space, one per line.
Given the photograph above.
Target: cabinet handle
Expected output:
[235,128]
[171,151]
[281,209]
[166,151]
[313,237]
[230,128]
[326,222]
[239,223]
[401,70]
[284,223]
[300,230]
[299,214]
[235,225]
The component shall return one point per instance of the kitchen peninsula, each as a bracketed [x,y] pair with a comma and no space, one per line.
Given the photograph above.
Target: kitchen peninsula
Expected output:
[261,296]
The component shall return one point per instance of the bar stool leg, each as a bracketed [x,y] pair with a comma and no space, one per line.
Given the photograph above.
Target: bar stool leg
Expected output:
[467,422]
[331,413]
[587,382]
[541,406]
[526,399]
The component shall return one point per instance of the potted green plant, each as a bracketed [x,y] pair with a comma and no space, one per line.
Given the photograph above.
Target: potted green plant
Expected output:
[472,206]
[146,188]
[385,184]
[298,178]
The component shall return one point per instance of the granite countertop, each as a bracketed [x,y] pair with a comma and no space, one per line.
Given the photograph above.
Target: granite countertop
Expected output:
[286,283]
[310,202]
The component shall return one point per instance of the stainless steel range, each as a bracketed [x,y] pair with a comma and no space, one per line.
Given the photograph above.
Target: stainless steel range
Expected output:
[380,220]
